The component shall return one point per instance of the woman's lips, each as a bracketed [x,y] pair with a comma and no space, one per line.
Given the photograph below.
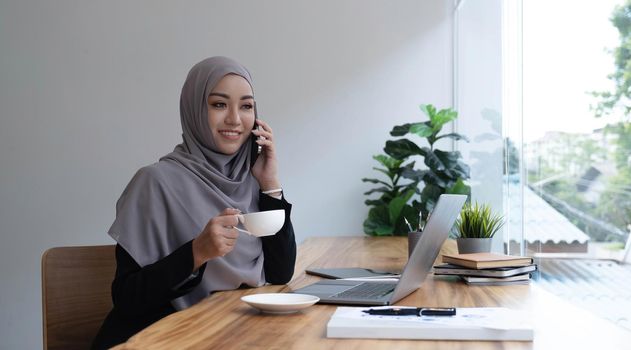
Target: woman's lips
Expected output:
[230,134]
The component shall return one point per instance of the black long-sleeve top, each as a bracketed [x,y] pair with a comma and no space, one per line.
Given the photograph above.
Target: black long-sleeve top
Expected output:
[142,295]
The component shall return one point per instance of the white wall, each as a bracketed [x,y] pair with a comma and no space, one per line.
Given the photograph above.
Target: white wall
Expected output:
[89,92]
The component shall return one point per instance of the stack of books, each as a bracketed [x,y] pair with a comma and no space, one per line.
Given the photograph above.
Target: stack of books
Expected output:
[487,268]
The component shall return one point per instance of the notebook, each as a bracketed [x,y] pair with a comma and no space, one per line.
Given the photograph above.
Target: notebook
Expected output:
[449,269]
[486,260]
[468,324]
[418,266]
[493,281]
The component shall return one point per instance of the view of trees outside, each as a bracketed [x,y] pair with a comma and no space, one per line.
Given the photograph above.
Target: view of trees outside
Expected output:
[615,201]
[586,174]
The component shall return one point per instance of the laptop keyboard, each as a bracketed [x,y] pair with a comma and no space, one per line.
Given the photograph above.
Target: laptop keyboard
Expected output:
[366,291]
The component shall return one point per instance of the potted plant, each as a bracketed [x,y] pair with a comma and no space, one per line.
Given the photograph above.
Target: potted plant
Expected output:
[476,226]
[400,198]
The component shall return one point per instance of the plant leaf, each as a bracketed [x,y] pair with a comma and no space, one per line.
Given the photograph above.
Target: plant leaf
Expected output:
[388,174]
[412,186]
[400,130]
[448,156]
[384,231]
[443,161]
[433,178]
[382,189]
[478,221]
[461,170]
[430,195]
[422,129]
[377,222]
[401,149]
[454,166]
[441,118]
[409,166]
[397,204]
[389,162]
[375,181]
[428,109]
[374,202]
[414,174]
[454,136]
[459,188]
[433,161]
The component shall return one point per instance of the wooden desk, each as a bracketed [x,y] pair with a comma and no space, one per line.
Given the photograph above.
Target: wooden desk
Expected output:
[223,321]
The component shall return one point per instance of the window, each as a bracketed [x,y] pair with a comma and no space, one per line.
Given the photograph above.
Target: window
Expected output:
[542,83]
[578,205]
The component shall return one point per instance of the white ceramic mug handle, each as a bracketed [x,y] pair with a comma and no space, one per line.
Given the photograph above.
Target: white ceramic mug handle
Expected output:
[244,231]
[242,220]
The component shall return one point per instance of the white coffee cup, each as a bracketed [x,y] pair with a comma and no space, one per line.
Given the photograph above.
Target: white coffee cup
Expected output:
[262,223]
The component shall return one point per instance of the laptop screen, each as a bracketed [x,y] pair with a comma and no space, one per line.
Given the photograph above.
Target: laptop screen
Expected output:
[428,245]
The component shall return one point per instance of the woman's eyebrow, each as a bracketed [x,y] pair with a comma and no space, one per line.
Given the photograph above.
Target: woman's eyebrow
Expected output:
[221,94]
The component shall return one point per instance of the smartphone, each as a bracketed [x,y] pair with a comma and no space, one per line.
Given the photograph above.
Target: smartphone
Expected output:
[256,148]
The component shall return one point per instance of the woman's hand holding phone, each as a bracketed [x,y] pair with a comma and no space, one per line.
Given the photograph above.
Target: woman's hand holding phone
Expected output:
[265,169]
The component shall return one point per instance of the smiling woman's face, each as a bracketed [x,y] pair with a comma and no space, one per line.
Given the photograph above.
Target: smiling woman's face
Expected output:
[231,113]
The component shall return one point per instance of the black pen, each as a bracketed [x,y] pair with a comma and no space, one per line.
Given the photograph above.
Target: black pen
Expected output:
[418,311]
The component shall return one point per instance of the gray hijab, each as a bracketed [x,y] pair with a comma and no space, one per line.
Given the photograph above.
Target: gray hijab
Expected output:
[169,203]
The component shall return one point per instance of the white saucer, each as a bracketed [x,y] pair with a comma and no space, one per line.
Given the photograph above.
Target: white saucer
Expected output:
[280,303]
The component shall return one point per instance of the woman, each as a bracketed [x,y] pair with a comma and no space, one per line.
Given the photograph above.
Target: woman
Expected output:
[175,220]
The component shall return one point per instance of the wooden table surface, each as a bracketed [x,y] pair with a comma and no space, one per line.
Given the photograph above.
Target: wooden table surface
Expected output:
[223,321]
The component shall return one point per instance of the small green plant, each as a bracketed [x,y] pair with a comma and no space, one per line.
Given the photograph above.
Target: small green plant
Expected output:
[400,197]
[478,221]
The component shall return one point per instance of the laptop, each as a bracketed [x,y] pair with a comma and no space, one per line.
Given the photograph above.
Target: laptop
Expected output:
[419,264]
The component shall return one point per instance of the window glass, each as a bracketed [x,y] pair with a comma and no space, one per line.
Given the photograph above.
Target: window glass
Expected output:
[577,190]
[543,88]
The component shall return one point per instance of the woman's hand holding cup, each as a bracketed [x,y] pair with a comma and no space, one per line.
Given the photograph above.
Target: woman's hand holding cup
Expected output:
[217,239]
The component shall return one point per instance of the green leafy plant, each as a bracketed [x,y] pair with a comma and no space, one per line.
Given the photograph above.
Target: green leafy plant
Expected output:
[478,221]
[400,197]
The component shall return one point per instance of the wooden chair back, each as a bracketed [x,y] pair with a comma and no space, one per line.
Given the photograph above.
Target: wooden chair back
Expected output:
[76,294]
